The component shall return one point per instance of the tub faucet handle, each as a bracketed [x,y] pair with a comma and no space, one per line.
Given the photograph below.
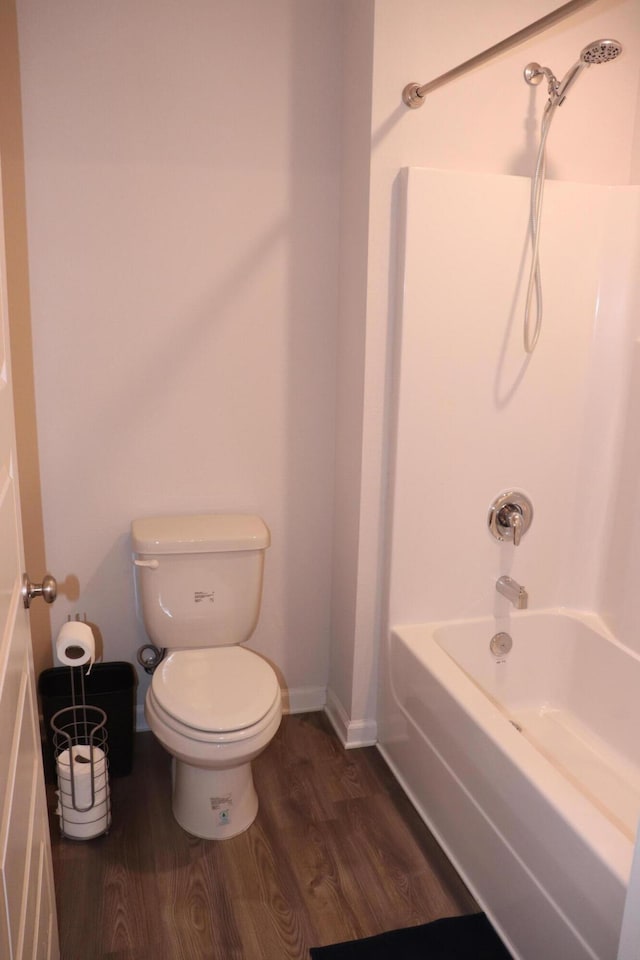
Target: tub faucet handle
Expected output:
[510,516]
[515,520]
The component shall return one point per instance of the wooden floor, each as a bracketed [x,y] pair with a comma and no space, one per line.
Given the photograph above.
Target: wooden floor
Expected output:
[337,852]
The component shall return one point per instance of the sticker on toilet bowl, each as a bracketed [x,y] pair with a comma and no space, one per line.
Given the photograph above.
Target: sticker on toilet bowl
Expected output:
[222,806]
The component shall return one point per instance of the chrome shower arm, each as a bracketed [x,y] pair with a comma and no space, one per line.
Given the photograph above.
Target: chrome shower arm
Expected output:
[414,94]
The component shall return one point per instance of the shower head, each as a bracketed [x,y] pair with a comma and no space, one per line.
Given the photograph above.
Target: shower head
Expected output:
[600,51]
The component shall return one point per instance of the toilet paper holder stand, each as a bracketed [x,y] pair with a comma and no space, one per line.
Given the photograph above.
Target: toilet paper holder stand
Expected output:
[77,727]
[80,741]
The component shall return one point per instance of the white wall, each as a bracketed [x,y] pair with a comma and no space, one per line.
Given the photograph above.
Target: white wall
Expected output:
[182,167]
[486,121]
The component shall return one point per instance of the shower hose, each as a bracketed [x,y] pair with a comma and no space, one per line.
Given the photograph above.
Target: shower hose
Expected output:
[537,191]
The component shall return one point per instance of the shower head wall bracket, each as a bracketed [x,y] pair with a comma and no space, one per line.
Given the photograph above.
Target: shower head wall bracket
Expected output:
[534,73]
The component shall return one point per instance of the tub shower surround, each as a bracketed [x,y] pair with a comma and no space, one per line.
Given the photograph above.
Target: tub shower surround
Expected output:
[522,762]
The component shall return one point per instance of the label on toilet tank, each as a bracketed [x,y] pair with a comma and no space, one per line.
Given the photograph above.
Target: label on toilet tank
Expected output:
[201,595]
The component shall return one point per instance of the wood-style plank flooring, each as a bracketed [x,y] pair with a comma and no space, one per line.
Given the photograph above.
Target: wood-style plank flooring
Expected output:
[337,852]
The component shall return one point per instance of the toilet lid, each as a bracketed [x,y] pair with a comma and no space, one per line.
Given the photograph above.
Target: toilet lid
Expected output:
[218,689]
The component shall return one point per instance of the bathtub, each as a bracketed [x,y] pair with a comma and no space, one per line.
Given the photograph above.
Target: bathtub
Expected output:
[526,766]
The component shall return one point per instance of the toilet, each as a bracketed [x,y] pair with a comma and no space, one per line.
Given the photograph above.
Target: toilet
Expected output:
[212,704]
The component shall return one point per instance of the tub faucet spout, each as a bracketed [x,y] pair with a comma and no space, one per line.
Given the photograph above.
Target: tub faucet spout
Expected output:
[512,590]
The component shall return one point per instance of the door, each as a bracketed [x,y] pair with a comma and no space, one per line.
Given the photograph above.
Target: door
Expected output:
[28,925]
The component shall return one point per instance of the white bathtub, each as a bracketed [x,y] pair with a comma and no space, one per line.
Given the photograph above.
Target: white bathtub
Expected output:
[527,769]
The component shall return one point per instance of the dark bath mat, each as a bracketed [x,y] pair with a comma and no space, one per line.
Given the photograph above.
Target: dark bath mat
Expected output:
[454,938]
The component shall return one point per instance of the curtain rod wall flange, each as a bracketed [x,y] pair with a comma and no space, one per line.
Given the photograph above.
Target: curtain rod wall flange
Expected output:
[411,96]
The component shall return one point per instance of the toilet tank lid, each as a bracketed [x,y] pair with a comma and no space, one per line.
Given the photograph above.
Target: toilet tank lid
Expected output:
[201,533]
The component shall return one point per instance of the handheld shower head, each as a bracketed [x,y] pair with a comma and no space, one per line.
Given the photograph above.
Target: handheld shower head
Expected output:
[600,51]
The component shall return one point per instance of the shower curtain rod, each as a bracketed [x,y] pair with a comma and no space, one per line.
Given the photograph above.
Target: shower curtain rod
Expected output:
[414,94]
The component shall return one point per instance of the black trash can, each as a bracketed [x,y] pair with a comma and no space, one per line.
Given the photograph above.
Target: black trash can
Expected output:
[110,686]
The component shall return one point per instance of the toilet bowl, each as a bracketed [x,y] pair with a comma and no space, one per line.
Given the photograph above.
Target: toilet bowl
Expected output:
[230,713]
[213,705]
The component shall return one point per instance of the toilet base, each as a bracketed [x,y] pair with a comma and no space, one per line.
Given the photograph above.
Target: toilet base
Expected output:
[213,804]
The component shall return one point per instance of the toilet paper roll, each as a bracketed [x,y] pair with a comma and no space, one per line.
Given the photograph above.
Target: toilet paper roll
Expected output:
[84,826]
[97,812]
[100,790]
[82,772]
[85,831]
[75,644]
[91,819]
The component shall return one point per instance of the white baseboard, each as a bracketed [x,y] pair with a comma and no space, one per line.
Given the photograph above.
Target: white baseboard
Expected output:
[297,700]
[351,733]
[304,699]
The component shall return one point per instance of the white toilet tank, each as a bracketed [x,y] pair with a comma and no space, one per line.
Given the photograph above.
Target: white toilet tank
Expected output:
[200,577]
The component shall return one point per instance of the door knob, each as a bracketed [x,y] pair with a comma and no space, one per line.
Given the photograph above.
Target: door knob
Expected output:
[48,589]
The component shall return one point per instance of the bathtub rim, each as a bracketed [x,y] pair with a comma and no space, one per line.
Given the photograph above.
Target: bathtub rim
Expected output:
[612,848]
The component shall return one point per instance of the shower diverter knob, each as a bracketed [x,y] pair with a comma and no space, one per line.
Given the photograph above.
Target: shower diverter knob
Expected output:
[510,516]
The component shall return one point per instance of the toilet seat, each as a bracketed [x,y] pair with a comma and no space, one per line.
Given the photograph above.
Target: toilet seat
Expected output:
[215,692]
